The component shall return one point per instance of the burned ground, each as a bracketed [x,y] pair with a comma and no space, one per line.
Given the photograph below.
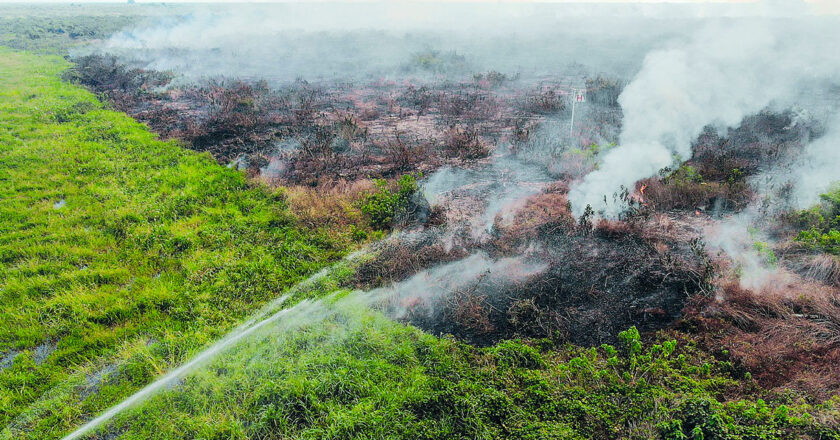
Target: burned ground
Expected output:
[596,282]
[313,131]
[305,133]
[786,336]
[650,269]
[716,179]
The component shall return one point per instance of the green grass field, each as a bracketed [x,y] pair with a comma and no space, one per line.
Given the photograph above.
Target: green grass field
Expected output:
[122,255]
[114,244]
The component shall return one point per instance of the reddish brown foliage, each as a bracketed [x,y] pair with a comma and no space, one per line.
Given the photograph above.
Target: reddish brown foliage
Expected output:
[543,101]
[469,310]
[464,142]
[663,195]
[787,336]
[397,259]
[548,210]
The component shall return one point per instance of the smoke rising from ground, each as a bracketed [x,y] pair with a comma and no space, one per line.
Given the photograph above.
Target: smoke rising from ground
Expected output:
[429,285]
[725,72]
[819,168]
[502,186]
[697,66]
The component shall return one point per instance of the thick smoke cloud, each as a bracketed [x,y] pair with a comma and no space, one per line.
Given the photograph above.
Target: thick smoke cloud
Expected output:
[724,72]
[357,41]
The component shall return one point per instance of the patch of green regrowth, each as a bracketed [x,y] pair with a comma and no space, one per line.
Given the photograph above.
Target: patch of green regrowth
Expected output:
[763,248]
[436,61]
[593,151]
[388,202]
[684,175]
[820,225]
[736,179]
[765,251]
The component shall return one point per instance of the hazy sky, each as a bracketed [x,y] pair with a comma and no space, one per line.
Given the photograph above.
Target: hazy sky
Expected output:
[825,3]
[819,6]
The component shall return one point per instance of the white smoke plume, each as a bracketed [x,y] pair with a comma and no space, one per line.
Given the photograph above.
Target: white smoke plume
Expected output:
[749,249]
[819,168]
[437,282]
[503,185]
[723,73]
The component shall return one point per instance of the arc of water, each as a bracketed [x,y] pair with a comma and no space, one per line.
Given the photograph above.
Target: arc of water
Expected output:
[240,332]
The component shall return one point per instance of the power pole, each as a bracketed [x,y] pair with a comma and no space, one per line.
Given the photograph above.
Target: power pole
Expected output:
[577,96]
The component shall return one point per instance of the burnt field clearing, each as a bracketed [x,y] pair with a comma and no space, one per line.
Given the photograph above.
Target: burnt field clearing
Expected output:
[496,162]
[275,222]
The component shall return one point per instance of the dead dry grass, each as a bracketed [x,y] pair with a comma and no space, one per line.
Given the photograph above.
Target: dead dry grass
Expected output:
[331,204]
[786,334]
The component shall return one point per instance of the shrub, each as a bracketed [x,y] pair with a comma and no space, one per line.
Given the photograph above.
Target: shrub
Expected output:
[384,204]
[419,98]
[684,175]
[493,78]
[514,354]
[105,74]
[435,61]
[821,224]
[464,143]
[543,102]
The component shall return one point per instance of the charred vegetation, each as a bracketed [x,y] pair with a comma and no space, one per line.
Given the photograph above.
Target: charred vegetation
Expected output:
[597,281]
[330,143]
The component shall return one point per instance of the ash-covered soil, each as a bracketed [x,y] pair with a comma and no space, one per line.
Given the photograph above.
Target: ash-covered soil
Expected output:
[497,159]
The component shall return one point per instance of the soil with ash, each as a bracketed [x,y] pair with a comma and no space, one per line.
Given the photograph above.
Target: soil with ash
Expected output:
[307,133]
[649,269]
[596,283]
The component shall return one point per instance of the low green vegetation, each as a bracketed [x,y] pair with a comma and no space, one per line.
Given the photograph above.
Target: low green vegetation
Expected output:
[58,28]
[337,370]
[435,61]
[765,252]
[593,154]
[385,204]
[821,224]
[684,175]
[114,244]
[593,151]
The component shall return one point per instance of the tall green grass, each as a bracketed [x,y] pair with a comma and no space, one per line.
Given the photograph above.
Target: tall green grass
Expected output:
[117,247]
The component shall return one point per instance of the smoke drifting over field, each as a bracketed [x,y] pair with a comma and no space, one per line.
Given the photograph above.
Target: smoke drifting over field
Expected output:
[505,184]
[687,68]
[328,41]
[697,65]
